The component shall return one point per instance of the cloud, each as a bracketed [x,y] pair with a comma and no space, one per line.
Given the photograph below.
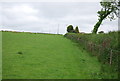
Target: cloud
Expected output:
[45,16]
[19,13]
[51,0]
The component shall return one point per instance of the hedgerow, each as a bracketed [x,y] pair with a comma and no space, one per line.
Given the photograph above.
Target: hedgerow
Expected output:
[104,46]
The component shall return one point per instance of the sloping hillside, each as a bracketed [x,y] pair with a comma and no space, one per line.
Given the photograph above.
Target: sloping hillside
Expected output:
[45,56]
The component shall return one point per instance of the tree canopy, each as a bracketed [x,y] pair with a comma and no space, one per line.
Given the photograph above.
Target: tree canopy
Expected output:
[70,28]
[76,29]
[109,10]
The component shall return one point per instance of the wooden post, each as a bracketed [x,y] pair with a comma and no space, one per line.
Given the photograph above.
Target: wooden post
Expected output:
[110,57]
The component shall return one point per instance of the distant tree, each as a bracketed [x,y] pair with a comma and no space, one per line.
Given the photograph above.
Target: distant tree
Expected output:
[109,9]
[73,31]
[76,29]
[70,29]
[101,32]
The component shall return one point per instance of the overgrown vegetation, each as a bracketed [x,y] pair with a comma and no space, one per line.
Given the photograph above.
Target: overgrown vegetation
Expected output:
[70,29]
[109,9]
[103,46]
[77,29]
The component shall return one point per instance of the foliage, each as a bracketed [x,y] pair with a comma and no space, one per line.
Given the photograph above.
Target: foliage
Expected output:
[76,29]
[70,28]
[73,31]
[101,32]
[109,9]
[103,46]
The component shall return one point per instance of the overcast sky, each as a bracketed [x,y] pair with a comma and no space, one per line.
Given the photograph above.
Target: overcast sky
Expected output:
[52,17]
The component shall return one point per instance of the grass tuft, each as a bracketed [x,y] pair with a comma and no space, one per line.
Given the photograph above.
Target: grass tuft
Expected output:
[19,52]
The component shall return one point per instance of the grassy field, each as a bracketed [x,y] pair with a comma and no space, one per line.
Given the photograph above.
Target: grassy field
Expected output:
[0,55]
[45,56]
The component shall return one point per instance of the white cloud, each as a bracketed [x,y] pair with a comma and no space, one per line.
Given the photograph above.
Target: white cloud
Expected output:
[19,11]
[45,17]
[51,0]
[25,9]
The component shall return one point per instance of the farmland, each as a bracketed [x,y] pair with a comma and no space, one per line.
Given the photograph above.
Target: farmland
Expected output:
[45,56]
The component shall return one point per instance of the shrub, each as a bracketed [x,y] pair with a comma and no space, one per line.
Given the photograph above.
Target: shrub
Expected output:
[101,32]
[70,29]
[76,29]
[104,46]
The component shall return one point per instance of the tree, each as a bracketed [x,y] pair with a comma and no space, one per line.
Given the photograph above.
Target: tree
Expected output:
[109,9]
[76,29]
[70,28]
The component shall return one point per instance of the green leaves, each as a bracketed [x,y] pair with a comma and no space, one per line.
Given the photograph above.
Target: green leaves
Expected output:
[109,10]
[76,29]
[109,7]
[70,28]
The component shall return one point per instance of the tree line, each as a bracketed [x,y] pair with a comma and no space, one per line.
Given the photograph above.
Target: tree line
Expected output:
[70,29]
[110,9]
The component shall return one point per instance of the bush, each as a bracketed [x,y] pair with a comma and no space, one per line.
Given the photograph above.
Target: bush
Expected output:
[70,29]
[76,29]
[99,44]
[101,32]
[104,46]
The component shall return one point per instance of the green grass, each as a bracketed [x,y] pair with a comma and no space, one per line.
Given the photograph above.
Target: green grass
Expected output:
[46,56]
[104,46]
[0,55]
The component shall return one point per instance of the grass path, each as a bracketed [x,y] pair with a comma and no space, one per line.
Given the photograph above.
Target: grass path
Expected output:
[45,57]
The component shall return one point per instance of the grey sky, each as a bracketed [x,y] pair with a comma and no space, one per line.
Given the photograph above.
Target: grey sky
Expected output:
[45,16]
